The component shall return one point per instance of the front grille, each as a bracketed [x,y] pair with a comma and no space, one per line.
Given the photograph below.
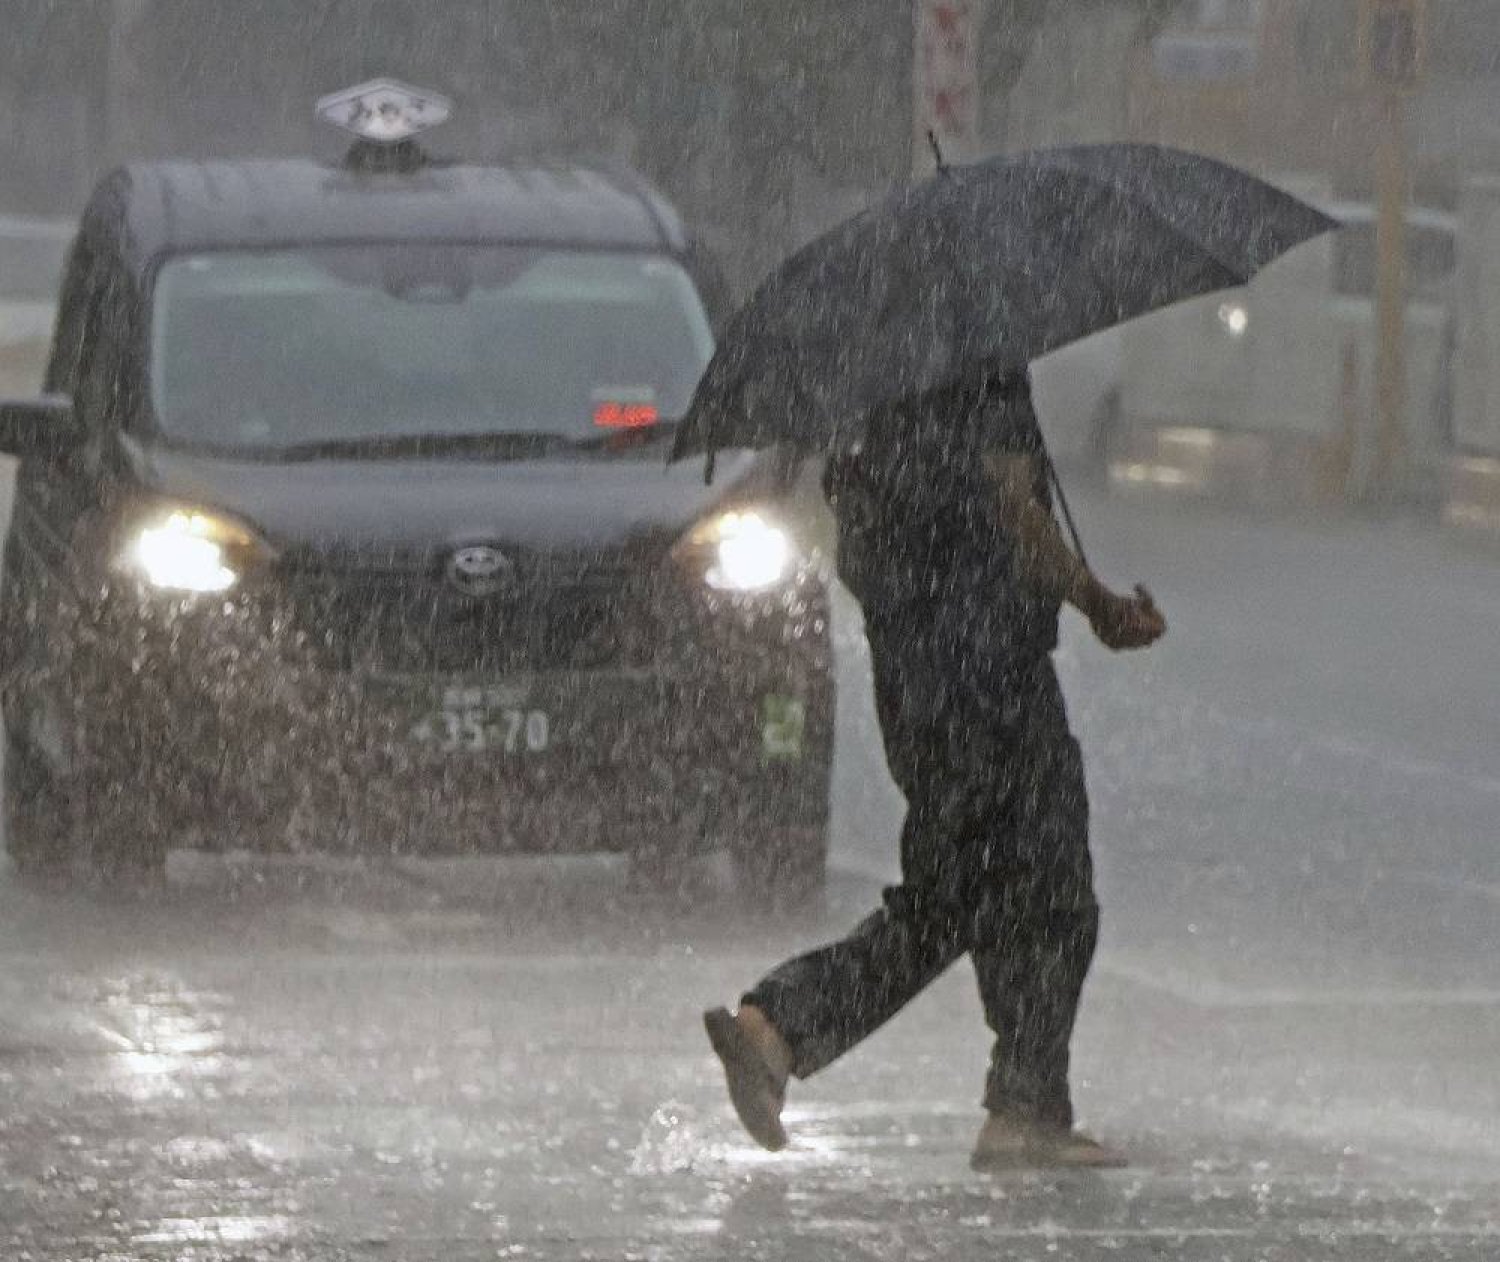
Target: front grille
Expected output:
[416,624]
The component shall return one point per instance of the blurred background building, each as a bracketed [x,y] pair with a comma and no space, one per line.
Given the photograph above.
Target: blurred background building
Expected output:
[764,131]
[756,125]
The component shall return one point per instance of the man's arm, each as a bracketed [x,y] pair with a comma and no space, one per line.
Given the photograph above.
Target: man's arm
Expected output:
[1049,567]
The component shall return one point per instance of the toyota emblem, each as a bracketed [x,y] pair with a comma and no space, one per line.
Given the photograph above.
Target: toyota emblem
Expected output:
[480,570]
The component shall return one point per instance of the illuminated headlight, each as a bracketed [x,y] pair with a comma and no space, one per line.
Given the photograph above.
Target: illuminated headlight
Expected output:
[746,552]
[184,550]
[1235,318]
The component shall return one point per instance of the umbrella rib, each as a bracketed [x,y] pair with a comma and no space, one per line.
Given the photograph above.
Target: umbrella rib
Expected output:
[1063,162]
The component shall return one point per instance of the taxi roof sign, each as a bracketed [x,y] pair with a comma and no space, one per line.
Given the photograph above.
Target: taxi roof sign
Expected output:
[385,111]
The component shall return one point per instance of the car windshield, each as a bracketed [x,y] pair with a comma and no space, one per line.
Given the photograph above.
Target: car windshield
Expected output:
[298,351]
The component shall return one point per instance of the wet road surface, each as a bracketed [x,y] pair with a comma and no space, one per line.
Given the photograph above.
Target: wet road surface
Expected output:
[1294,1025]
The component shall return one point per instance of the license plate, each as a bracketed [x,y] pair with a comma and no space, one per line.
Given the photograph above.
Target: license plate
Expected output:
[485,720]
[783,724]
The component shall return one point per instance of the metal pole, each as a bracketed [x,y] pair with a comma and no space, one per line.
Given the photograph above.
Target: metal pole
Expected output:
[945,82]
[1391,181]
[920,167]
[123,80]
[1393,42]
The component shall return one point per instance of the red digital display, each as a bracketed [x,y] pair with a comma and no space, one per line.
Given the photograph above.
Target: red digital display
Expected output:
[625,415]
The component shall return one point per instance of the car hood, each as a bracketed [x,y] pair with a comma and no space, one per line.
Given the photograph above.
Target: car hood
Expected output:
[396,509]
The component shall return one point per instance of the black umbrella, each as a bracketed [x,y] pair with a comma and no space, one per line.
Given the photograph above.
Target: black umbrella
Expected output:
[980,270]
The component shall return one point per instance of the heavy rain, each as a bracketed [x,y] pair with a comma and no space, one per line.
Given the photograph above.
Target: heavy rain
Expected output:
[634,629]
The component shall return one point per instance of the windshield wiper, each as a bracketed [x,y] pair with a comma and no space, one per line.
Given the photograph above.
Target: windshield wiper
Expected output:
[496,444]
[500,445]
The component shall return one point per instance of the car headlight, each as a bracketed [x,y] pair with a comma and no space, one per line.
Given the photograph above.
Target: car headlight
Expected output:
[189,550]
[745,550]
[1235,318]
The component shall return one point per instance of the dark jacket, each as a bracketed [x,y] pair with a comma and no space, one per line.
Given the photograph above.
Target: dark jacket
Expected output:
[922,549]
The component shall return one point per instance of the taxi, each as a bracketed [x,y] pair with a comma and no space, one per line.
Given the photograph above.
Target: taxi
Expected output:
[345,523]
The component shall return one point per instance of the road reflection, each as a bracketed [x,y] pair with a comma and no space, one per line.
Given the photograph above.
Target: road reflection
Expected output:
[164,1035]
[217,1229]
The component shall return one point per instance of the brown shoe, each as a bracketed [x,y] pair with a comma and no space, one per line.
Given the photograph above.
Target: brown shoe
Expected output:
[1075,1150]
[1009,1143]
[757,1063]
[1002,1143]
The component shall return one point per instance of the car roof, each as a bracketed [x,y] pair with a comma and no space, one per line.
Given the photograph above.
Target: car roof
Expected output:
[160,208]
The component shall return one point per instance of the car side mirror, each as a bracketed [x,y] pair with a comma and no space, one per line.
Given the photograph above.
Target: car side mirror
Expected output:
[37,428]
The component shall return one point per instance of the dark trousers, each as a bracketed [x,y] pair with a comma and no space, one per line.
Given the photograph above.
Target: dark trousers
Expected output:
[995,863]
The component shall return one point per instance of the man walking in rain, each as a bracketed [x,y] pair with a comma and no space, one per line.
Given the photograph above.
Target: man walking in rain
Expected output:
[947,539]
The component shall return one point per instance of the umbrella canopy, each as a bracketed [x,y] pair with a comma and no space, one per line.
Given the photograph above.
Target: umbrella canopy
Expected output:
[981,269]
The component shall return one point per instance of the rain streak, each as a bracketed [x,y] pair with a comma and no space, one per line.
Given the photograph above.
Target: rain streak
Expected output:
[634,629]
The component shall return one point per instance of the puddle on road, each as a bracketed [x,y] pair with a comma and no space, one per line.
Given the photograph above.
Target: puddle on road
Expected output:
[162,1033]
[218,1229]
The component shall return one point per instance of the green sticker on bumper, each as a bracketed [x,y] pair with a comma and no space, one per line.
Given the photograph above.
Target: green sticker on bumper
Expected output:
[783,721]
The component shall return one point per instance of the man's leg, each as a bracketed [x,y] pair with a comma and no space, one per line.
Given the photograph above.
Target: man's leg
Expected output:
[811,1010]
[1031,984]
[1035,937]
[826,1001]
[1035,942]
[1032,953]
[1033,948]
[1031,996]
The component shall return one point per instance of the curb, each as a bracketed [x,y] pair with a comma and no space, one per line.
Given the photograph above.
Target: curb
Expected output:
[1226,466]
[1293,472]
[1472,494]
